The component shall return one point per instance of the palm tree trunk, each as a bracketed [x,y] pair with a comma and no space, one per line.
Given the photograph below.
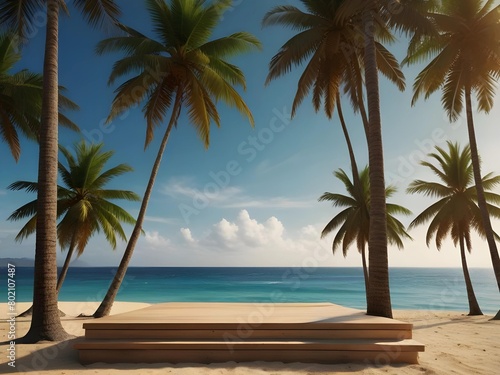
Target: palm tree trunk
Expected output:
[365,272]
[379,299]
[481,201]
[354,166]
[362,111]
[474,308]
[356,70]
[67,261]
[104,308]
[45,323]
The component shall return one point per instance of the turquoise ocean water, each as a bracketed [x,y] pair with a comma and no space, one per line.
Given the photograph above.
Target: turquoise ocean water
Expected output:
[411,288]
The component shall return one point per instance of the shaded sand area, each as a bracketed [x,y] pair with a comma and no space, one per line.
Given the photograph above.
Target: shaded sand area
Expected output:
[455,344]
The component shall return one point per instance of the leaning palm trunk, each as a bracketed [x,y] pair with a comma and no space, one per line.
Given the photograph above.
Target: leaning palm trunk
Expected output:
[474,308]
[352,157]
[379,299]
[104,308]
[67,261]
[481,201]
[355,179]
[45,323]
[355,176]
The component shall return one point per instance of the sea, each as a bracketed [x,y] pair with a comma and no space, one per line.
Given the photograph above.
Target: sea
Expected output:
[411,288]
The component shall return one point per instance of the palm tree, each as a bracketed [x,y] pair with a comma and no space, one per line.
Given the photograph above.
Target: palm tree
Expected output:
[466,61]
[322,43]
[46,324]
[456,212]
[354,219]
[405,16]
[181,67]
[83,204]
[21,99]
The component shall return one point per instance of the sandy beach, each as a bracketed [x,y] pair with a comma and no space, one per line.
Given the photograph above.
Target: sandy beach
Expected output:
[455,344]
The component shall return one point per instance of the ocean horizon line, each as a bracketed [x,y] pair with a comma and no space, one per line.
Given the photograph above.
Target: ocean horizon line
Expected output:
[283,267]
[411,288]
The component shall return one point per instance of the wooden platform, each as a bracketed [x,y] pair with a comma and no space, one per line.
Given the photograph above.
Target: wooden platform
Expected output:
[242,332]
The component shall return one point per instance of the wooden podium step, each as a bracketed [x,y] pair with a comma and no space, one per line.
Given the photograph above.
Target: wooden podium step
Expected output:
[221,332]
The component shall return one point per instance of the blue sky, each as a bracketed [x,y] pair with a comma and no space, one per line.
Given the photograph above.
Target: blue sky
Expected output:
[251,198]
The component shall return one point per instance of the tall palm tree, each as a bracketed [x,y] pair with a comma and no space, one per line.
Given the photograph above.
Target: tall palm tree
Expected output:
[21,99]
[322,43]
[465,61]
[46,324]
[84,205]
[456,213]
[354,219]
[182,67]
[405,16]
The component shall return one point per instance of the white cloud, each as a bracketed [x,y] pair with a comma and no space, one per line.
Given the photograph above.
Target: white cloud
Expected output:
[254,233]
[183,188]
[188,237]
[155,240]
[178,186]
[246,241]
[310,230]
[226,231]
[212,194]
[161,220]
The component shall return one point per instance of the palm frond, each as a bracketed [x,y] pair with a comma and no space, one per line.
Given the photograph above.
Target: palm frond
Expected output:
[432,189]
[159,100]
[338,200]
[27,230]
[231,45]
[99,13]
[133,44]
[30,187]
[294,52]
[220,89]
[453,89]
[429,212]
[485,89]
[118,194]
[306,81]
[389,66]
[27,210]
[19,15]
[293,17]
[101,180]
[335,222]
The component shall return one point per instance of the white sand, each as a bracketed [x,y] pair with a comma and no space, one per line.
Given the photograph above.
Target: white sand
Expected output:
[455,344]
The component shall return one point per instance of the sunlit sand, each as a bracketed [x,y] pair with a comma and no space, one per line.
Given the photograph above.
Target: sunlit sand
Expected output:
[454,343]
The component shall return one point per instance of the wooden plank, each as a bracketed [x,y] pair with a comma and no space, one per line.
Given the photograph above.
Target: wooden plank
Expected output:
[236,334]
[240,316]
[349,345]
[207,356]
